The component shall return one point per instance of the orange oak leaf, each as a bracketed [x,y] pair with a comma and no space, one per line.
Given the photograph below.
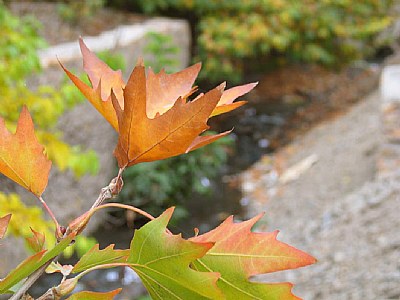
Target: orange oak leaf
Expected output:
[22,158]
[226,103]
[162,89]
[105,108]
[101,76]
[142,139]
[239,254]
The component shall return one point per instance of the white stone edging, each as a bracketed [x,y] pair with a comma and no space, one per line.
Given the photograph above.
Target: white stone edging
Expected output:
[121,36]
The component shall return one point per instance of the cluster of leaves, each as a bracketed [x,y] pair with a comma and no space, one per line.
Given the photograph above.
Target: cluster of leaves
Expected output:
[230,33]
[155,119]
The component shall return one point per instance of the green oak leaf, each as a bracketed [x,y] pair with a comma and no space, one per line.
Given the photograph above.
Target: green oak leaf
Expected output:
[162,260]
[239,254]
[95,257]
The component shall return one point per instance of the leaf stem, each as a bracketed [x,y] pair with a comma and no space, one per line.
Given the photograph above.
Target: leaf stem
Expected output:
[49,211]
[125,206]
[99,267]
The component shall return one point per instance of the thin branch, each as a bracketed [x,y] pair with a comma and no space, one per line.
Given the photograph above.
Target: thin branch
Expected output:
[99,267]
[128,207]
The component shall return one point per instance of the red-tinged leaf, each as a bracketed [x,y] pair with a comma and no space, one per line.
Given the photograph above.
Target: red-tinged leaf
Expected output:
[143,139]
[56,267]
[85,295]
[95,257]
[4,224]
[204,140]
[164,89]
[36,241]
[32,263]
[239,254]
[162,261]
[105,108]
[22,158]
[226,103]
[98,71]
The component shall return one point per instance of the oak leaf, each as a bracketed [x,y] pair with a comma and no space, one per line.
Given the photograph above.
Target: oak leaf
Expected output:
[162,261]
[239,254]
[163,89]
[22,158]
[142,139]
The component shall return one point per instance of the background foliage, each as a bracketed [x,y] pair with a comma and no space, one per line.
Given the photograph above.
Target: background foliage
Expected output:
[19,43]
[232,35]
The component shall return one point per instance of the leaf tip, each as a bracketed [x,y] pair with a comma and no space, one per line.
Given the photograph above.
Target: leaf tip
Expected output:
[140,62]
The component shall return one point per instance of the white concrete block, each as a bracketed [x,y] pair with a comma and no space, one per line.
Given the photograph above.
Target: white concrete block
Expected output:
[390,83]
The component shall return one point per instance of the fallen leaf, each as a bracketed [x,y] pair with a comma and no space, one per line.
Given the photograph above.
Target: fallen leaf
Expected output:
[239,254]
[22,158]
[142,139]
[162,261]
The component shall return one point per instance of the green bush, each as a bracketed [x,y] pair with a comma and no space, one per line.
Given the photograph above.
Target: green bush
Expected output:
[73,11]
[232,33]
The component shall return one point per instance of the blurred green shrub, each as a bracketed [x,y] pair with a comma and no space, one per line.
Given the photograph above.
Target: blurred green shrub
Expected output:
[161,52]
[233,34]
[19,43]
[73,11]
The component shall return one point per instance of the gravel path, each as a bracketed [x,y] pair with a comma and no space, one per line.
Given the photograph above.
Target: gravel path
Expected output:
[334,208]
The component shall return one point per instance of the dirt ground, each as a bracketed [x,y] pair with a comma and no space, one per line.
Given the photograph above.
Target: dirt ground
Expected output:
[322,193]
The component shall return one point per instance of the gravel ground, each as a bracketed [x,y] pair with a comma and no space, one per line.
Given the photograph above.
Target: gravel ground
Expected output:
[334,208]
